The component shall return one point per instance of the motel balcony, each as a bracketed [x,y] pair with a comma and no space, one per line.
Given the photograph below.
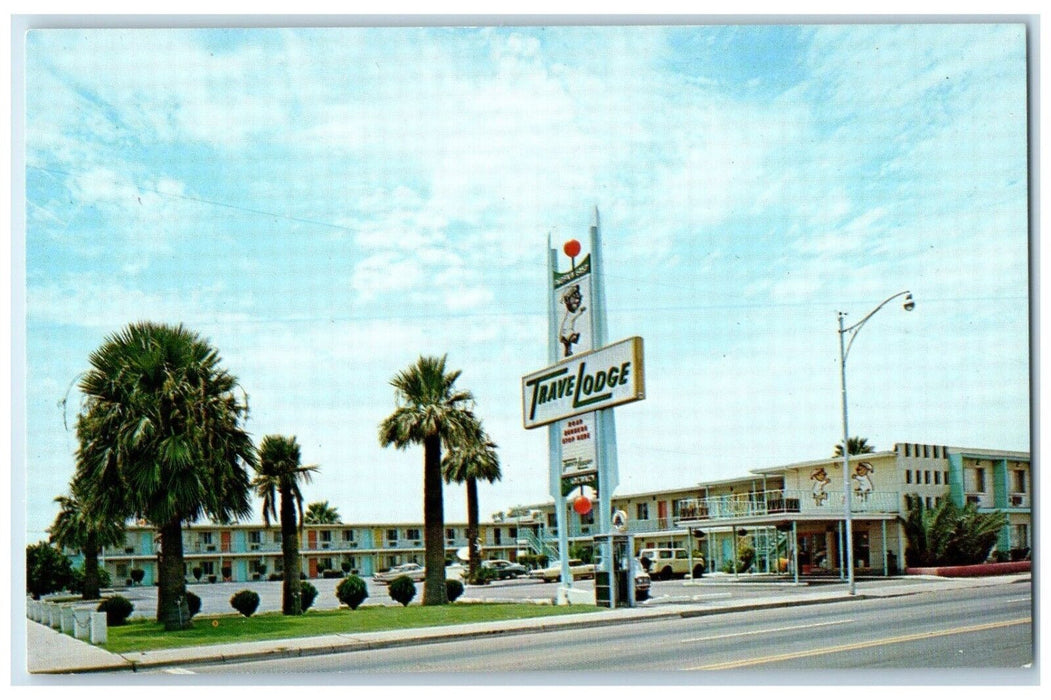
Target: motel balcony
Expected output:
[776,503]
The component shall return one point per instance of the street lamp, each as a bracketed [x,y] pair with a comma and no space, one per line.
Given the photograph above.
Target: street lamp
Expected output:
[844,350]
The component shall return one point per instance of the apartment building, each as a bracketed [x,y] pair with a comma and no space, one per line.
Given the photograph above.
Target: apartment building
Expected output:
[790,513]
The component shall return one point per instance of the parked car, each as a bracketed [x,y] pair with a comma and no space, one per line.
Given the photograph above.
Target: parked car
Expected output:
[505,569]
[577,569]
[414,571]
[642,583]
[665,562]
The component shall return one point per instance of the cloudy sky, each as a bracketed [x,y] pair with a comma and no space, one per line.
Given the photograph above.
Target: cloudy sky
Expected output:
[327,205]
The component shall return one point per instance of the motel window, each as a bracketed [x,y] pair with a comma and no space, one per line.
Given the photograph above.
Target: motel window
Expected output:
[254,537]
[979,480]
[450,533]
[512,532]
[392,560]
[552,520]
[925,454]
[927,476]
[277,538]
[908,477]
[1019,478]
[412,533]
[642,511]
[348,535]
[326,535]
[496,535]
[392,535]
[937,478]
[206,538]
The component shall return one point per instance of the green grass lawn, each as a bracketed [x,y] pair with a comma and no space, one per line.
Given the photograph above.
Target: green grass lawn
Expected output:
[144,635]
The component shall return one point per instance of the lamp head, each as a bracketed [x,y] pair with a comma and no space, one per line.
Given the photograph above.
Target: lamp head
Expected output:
[909,303]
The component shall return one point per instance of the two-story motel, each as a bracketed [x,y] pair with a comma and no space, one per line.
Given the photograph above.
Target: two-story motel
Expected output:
[770,509]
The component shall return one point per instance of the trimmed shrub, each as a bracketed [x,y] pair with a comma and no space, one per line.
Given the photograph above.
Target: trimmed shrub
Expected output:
[352,591]
[117,609]
[193,602]
[402,589]
[345,566]
[275,577]
[482,576]
[226,571]
[197,572]
[137,575]
[307,594]
[245,602]
[453,589]
[332,573]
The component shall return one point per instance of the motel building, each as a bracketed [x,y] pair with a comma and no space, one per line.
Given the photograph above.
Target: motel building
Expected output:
[792,516]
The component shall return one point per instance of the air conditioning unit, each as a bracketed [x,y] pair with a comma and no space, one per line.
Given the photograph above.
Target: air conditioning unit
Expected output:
[210,548]
[254,547]
[415,543]
[353,544]
[129,550]
[325,545]
[974,498]
[1017,500]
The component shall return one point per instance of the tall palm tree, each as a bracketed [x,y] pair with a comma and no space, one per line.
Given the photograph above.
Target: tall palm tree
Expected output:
[855,446]
[430,412]
[467,463]
[278,476]
[163,440]
[77,526]
[321,513]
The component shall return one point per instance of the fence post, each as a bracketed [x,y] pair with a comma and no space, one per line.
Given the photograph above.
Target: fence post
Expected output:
[65,617]
[82,623]
[98,628]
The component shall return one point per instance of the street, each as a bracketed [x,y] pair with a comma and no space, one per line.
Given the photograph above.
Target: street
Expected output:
[984,628]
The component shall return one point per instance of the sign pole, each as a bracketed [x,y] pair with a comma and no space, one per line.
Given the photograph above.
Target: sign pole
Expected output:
[554,431]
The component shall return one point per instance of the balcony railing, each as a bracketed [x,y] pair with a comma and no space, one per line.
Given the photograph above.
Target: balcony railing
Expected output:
[748,505]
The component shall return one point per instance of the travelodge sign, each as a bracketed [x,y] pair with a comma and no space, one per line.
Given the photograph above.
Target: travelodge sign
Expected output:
[587,382]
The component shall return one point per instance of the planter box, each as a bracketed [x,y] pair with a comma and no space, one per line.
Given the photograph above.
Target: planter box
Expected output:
[1007,567]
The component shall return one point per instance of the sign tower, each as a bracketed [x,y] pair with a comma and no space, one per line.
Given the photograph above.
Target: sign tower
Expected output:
[574,396]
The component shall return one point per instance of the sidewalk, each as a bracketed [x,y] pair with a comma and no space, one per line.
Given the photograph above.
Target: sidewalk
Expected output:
[50,652]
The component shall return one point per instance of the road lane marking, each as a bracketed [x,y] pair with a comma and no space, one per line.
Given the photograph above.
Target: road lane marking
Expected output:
[859,645]
[767,631]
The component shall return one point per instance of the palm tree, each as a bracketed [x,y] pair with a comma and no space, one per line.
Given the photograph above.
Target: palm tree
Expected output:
[79,527]
[278,475]
[855,446]
[321,513]
[163,440]
[467,463]
[430,412]
[948,535]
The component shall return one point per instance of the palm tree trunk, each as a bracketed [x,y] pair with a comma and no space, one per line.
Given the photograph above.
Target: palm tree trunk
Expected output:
[91,568]
[172,609]
[433,523]
[290,587]
[473,557]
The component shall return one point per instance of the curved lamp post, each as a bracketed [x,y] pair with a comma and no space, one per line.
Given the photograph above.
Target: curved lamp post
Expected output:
[844,350]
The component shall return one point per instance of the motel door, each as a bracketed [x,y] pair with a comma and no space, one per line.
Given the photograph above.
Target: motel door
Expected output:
[224,541]
[662,514]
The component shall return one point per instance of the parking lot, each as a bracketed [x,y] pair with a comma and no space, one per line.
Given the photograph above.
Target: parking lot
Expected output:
[215,598]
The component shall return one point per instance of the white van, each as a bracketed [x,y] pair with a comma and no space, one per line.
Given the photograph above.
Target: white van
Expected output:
[665,562]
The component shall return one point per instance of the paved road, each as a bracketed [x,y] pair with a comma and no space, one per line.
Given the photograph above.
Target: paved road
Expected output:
[972,630]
